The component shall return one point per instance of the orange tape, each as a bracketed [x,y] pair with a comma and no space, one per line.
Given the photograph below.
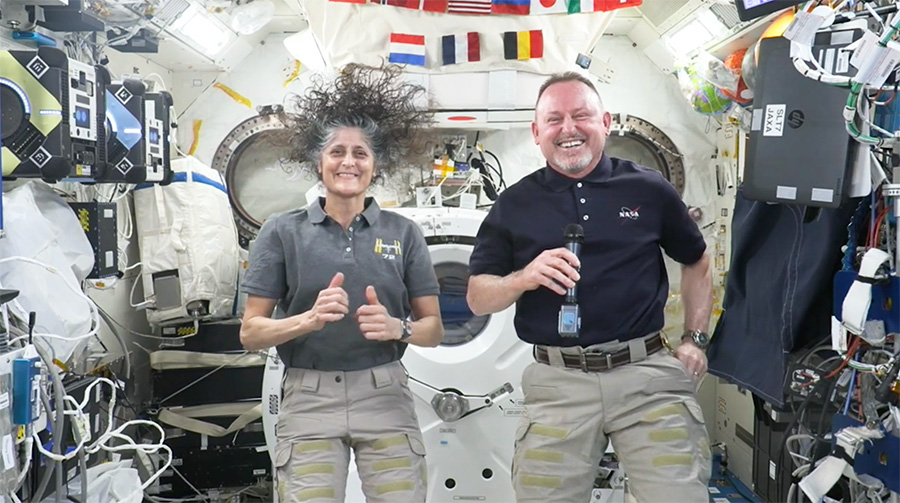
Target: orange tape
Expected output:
[196,129]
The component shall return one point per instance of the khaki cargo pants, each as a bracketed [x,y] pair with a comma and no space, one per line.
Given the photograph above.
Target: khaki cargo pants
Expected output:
[646,408]
[325,414]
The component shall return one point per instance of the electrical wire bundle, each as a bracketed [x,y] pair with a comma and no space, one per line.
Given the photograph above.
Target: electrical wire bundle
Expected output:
[850,384]
[849,379]
[478,161]
[115,439]
[854,113]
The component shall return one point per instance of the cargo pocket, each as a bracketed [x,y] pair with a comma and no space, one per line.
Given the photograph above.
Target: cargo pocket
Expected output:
[282,460]
[702,449]
[694,408]
[417,446]
[521,433]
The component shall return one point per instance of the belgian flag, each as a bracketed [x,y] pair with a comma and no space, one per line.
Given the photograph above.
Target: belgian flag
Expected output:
[523,45]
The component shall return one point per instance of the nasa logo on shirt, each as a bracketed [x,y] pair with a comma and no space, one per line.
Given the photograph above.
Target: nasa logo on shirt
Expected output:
[628,213]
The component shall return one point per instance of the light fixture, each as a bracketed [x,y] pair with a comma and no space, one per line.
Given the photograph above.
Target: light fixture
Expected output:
[201,31]
[304,46]
[251,17]
[703,28]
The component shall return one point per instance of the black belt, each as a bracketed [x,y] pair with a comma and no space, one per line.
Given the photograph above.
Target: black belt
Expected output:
[598,361]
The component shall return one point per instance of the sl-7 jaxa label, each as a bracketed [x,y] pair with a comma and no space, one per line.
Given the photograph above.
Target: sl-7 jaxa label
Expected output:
[773,123]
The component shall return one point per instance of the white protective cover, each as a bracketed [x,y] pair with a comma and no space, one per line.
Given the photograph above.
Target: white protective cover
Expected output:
[108,483]
[188,226]
[41,226]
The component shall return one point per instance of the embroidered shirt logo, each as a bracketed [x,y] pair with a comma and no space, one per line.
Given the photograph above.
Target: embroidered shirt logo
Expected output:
[389,251]
[629,213]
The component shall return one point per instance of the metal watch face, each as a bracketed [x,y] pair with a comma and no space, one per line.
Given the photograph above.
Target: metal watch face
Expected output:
[701,339]
[407,330]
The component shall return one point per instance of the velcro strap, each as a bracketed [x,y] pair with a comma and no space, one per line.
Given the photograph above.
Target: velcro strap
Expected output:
[171,359]
[855,308]
[186,417]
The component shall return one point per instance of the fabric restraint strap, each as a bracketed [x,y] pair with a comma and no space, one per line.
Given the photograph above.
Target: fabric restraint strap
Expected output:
[186,418]
[169,360]
[855,309]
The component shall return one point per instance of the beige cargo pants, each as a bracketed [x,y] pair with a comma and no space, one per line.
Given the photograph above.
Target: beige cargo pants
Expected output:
[325,414]
[647,409]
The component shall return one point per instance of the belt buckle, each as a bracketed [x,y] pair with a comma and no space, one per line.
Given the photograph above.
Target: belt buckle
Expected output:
[607,354]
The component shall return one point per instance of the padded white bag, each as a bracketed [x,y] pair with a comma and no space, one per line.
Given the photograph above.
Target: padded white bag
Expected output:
[189,245]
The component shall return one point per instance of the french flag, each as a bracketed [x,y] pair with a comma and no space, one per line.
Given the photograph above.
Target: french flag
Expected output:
[463,48]
[519,7]
[407,49]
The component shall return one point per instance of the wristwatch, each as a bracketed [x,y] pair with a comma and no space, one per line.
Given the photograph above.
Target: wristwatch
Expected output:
[700,339]
[405,330]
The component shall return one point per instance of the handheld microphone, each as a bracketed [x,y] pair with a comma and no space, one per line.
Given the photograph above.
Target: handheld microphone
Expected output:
[569,322]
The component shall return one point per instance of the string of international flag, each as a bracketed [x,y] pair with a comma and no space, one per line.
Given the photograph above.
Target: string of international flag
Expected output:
[504,7]
[409,49]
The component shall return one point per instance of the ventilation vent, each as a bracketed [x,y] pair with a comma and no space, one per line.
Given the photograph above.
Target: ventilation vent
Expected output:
[727,13]
[660,13]
[169,12]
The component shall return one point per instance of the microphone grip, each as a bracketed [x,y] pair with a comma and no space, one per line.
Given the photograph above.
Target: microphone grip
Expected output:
[572,293]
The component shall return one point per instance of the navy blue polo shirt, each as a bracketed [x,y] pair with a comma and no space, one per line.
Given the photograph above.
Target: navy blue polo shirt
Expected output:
[630,214]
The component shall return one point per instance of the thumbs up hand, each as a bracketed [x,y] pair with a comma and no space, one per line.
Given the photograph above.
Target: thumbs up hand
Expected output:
[374,322]
[331,304]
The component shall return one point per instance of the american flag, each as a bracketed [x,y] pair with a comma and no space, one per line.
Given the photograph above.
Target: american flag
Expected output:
[469,7]
[426,5]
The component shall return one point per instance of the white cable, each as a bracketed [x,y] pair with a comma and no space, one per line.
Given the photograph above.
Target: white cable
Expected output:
[127,223]
[79,413]
[131,295]
[132,266]
[109,434]
[174,145]
[158,78]
[802,470]
[796,438]
[5,313]
[127,191]
[52,336]
[28,446]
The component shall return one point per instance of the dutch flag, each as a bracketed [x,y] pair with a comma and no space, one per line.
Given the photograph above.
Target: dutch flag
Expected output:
[462,48]
[520,7]
[407,49]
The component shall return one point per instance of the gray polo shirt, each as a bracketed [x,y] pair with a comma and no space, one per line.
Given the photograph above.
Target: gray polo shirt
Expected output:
[297,253]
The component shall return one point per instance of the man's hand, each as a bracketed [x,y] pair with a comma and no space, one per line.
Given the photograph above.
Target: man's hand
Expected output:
[331,304]
[692,357]
[555,269]
[374,322]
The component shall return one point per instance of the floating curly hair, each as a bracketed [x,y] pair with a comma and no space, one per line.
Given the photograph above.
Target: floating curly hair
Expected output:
[374,99]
